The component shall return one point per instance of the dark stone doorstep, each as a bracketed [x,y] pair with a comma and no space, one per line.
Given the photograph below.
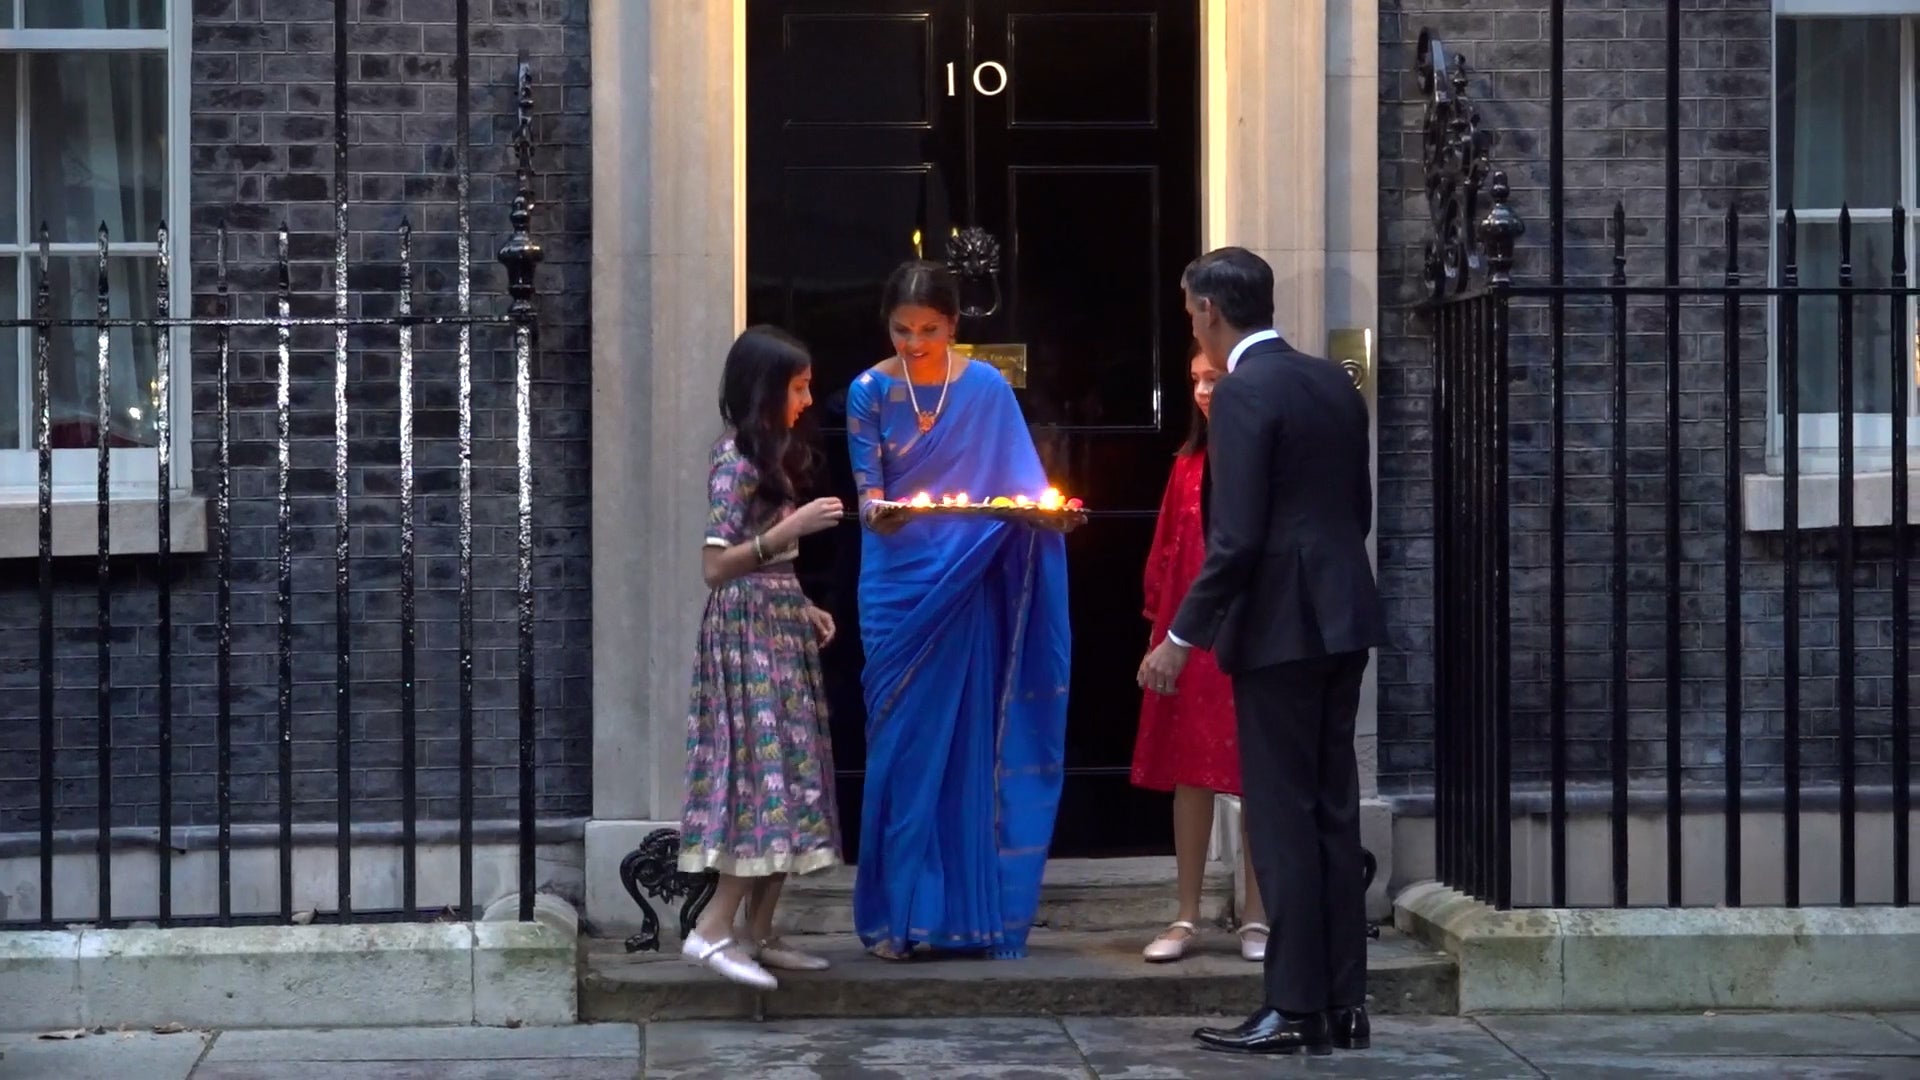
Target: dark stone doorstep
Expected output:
[1068,974]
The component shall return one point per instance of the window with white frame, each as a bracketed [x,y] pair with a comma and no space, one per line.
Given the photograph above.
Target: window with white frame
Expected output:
[1847,133]
[92,132]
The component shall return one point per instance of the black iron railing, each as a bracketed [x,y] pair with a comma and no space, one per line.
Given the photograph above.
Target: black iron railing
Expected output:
[519,255]
[1480,383]
[1469,263]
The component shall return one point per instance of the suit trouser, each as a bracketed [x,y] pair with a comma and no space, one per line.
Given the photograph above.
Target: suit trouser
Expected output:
[1302,807]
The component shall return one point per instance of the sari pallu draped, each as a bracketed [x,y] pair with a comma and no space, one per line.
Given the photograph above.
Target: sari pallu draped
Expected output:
[965,629]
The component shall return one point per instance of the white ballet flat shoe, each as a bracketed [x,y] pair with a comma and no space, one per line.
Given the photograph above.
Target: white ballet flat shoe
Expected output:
[717,957]
[1169,947]
[1254,948]
[774,952]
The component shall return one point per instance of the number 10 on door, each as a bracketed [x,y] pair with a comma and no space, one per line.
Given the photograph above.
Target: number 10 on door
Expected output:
[991,69]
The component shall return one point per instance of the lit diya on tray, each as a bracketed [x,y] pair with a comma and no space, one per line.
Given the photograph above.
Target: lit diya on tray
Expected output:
[1050,510]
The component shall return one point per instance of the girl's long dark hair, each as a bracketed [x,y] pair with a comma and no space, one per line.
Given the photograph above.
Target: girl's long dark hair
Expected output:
[760,368]
[1197,424]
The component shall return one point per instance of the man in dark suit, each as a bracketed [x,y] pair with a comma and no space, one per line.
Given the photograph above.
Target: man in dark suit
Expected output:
[1287,603]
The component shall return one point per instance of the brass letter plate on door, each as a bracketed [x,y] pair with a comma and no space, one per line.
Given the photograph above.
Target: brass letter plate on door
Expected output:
[1010,359]
[1352,350]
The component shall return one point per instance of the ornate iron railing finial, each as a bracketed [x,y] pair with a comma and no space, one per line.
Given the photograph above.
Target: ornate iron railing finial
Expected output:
[1501,229]
[520,254]
[1466,247]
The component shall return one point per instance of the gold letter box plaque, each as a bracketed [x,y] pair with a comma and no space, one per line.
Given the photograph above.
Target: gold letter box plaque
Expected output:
[1011,360]
[1352,350]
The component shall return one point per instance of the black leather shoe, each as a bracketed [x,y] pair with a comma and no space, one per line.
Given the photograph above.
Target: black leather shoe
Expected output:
[1351,1029]
[1241,1028]
[1270,1032]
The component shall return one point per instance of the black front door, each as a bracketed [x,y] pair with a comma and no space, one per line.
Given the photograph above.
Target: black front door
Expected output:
[1068,130]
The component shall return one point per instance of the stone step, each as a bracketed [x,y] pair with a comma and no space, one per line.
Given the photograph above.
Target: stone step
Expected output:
[1069,973]
[1076,894]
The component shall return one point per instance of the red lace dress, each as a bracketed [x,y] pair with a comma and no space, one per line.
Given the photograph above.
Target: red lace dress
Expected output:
[1187,738]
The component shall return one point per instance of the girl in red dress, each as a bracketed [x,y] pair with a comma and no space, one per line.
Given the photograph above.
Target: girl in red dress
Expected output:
[1186,743]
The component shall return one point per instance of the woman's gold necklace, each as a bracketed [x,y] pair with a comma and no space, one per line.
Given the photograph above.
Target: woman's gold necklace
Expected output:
[927,418]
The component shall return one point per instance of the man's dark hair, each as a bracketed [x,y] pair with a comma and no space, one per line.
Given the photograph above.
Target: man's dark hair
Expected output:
[1238,283]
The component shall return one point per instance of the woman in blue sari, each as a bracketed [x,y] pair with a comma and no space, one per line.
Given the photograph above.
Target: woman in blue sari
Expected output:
[964,623]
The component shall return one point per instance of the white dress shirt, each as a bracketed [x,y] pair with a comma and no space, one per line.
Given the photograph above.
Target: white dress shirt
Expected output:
[1233,361]
[1248,342]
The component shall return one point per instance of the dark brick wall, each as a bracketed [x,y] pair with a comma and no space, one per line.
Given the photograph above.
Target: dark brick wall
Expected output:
[262,154]
[1615,150]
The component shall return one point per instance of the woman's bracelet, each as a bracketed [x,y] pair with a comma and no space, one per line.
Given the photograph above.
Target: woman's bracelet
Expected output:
[760,549]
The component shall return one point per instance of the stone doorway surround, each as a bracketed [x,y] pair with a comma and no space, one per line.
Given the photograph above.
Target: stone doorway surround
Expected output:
[1284,126]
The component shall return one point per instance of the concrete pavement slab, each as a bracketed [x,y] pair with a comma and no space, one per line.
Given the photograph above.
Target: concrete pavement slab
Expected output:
[1432,1048]
[527,973]
[971,1047]
[40,980]
[1907,1022]
[570,1069]
[113,1056]
[279,976]
[1724,1047]
[430,1044]
[1735,1068]
[1566,1037]
[876,1072]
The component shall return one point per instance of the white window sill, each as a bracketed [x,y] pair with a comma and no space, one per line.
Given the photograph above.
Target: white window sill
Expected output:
[1763,500]
[133,526]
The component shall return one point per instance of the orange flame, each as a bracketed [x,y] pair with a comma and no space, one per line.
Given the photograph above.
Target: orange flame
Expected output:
[1050,500]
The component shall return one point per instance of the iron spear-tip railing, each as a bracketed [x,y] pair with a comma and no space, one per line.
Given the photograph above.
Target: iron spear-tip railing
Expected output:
[1697,656]
[399,314]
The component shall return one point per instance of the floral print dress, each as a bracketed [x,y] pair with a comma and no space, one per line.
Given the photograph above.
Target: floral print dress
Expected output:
[760,797]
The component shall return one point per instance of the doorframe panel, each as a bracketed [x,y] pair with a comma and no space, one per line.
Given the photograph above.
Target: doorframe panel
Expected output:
[669,96]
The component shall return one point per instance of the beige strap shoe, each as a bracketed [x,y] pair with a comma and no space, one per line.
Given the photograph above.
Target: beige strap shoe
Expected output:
[1253,941]
[774,952]
[1172,943]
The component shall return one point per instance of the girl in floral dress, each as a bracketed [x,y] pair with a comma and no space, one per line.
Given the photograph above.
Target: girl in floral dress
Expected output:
[760,800]
[1186,743]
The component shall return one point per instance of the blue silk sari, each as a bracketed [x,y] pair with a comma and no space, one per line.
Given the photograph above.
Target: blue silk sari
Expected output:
[967,648]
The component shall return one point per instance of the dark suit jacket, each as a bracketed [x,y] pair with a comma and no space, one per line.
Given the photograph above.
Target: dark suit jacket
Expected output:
[1289,506]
